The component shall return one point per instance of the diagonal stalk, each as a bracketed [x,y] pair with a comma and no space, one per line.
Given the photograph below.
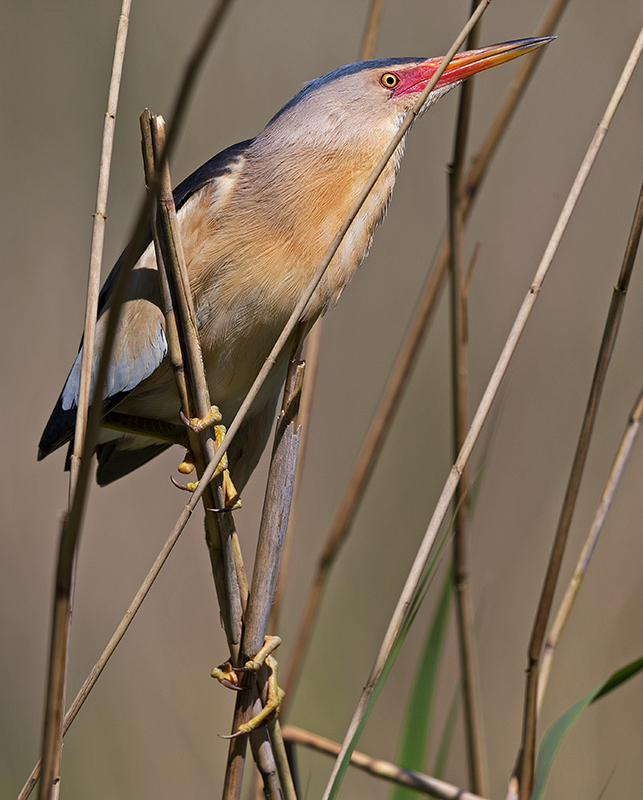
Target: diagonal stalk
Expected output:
[380,768]
[372,445]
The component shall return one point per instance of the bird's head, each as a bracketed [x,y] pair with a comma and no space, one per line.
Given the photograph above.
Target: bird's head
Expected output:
[368,99]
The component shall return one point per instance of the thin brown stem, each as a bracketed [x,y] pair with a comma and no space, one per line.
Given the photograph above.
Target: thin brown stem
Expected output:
[464,613]
[274,523]
[281,759]
[371,30]
[379,768]
[560,539]
[66,568]
[188,362]
[277,502]
[610,333]
[402,369]
[614,478]
[312,351]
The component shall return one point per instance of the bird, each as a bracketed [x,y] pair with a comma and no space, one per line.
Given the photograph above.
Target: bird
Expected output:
[255,222]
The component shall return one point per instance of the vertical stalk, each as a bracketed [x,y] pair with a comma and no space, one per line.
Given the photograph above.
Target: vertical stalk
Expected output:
[274,523]
[66,568]
[610,333]
[464,613]
[72,522]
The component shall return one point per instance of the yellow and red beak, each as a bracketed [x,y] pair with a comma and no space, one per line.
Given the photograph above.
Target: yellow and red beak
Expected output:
[463,65]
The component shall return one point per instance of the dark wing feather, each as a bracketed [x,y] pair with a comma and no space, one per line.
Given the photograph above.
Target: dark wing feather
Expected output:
[114,462]
[61,424]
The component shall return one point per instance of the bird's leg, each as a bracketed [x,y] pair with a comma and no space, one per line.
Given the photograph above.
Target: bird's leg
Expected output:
[228,676]
[232,501]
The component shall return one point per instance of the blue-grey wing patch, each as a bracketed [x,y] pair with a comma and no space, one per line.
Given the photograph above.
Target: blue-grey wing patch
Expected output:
[126,370]
[141,345]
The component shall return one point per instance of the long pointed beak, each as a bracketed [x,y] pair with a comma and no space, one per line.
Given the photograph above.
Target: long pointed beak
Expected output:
[463,65]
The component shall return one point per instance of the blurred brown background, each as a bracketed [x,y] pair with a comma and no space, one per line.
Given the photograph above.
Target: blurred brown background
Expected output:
[149,729]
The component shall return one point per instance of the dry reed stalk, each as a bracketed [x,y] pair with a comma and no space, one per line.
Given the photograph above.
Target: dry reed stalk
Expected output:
[274,522]
[56,690]
[614,478]
[474,733]
[362,710]
[220,532]
[402,368]
[72,522]
[380,768]
[419,565]
[527,757]
[371,30]
[311,357]
[610,333]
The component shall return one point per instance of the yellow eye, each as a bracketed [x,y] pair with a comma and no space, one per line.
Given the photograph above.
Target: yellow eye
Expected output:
[389,80]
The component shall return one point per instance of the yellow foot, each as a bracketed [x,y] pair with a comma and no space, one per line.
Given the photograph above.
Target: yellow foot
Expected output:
[231,499]
[198,424]
[229,676]
[187,465]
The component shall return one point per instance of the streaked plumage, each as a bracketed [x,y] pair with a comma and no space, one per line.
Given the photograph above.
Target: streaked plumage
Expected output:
[255,222]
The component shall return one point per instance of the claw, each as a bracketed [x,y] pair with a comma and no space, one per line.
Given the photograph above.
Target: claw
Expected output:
[227,675]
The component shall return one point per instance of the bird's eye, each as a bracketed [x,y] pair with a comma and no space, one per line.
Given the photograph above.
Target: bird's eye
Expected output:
[389,80]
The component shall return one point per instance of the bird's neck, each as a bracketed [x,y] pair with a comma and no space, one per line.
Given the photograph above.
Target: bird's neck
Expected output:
[309,187]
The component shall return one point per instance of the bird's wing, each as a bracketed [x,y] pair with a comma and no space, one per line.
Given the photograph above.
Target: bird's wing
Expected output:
[141,344]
